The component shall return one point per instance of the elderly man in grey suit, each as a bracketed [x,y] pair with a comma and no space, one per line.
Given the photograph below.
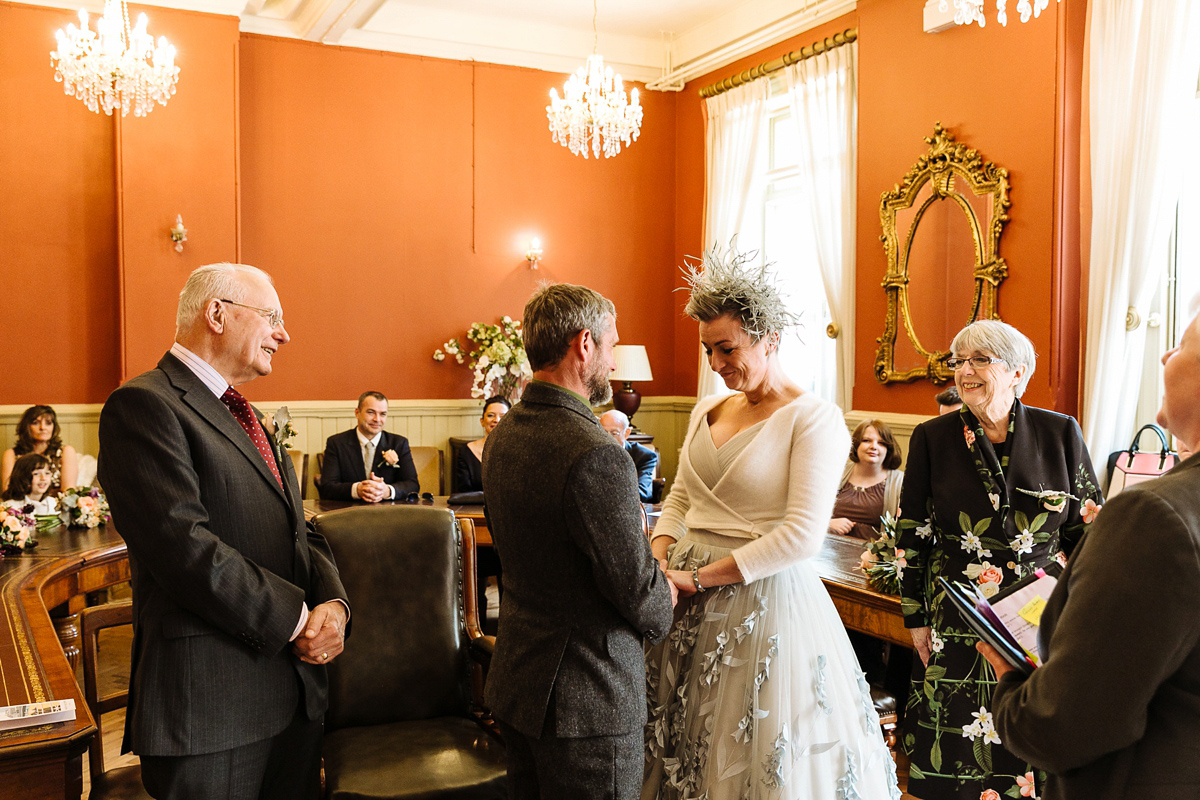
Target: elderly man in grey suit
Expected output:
[1114,712]
[582,590]
[237,603]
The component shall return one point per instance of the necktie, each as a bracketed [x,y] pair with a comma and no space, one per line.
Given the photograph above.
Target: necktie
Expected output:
[245,416]
[368,457]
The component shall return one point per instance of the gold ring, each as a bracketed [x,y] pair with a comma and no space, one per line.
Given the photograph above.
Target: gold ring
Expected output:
[324,656]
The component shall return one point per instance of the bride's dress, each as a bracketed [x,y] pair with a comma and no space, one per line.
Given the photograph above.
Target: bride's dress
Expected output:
[756,693]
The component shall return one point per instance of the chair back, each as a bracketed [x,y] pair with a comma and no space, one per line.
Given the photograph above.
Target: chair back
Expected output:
[300,465]
[406,657]
[91,622]
[431,473]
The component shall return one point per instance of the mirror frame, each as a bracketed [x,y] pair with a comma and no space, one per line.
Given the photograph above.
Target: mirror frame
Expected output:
[945,161]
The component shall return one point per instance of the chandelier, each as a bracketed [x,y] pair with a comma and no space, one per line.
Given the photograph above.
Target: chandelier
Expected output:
[968,11]
[114,67]
[593,110]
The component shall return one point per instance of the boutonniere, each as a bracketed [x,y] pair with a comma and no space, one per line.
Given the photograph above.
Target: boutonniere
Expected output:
[1052,500]
[279,425]
[390,458]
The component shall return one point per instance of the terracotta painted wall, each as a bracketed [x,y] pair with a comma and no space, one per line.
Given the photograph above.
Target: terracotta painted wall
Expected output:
[58,339]
[393,198]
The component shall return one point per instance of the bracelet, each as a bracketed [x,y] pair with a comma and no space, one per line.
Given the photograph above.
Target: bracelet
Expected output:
[696,580]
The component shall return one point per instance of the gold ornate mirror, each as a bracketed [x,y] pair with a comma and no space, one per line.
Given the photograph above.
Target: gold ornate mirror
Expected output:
[948,275]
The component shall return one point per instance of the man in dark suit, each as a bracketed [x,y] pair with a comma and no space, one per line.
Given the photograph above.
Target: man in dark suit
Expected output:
[345,473]
[237,603]
[582,591]
[1114,712]
[645,460]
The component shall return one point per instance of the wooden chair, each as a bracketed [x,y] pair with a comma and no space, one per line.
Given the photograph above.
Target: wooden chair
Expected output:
[300,464]
[431,472]
[405,718]
[320,466]
[123,783]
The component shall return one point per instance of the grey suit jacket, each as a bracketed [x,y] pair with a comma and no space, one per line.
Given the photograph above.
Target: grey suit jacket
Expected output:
[1114,712]
[581,587]
[222,561]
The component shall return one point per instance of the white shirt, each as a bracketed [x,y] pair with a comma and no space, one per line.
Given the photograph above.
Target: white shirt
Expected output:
[374,442]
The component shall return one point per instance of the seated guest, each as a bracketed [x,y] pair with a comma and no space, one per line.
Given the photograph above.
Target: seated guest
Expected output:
[871,483]
[644,459]
[38,432]
[468,466]
[948,400]
[30,482]
[366,462]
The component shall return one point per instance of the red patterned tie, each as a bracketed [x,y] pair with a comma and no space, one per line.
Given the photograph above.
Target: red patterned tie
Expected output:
[245,415]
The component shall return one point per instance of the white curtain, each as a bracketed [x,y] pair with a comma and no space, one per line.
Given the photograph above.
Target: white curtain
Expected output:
[823,94]
[1143,66]
[734,120]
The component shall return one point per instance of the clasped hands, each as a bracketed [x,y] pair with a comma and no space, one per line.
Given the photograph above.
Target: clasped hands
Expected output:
[373,489]
[324,634]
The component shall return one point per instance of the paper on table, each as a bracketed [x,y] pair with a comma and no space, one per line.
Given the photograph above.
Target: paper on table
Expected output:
[1021,611]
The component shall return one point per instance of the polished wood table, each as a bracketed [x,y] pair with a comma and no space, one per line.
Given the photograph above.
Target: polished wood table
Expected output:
[46,761]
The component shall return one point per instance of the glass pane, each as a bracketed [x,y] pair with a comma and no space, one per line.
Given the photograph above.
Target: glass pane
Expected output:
[783,142]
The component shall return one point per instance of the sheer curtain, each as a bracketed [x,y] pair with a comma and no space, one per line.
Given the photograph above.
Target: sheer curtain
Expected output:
[1143,66]
[823,93]
[734,123]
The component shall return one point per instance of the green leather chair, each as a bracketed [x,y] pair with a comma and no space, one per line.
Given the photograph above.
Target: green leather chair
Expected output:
[404,720]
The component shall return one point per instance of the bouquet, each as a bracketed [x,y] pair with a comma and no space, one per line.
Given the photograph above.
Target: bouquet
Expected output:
[882,561]
[84,507]
[16,528]
[498,359]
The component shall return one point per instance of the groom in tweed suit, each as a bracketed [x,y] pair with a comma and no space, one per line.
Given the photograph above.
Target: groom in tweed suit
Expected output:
[582,590]
[237,603]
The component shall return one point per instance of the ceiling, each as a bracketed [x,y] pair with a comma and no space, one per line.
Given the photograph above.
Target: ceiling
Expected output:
[663,43]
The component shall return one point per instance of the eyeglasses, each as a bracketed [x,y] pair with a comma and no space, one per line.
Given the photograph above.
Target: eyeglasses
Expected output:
[978,362]
[274,318]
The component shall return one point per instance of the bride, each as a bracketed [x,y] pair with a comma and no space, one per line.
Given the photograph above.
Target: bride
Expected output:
[756,692]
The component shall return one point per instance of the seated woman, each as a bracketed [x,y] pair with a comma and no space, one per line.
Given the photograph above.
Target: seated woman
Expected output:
[468,466]
[871,483]
[29,484]
[38,432]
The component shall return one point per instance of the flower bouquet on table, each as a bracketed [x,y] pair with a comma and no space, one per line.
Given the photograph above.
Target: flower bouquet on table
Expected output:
[84,507]
[497,359]
[16,528]
[882,561]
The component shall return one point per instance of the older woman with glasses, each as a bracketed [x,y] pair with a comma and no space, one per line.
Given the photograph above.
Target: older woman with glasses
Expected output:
[992,493]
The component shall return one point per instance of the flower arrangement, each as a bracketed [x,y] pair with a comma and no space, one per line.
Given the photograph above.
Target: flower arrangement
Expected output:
[498,359]
[882,561]
[16,529]
[84,507]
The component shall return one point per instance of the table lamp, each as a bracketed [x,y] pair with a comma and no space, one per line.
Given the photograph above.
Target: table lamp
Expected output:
[632,365]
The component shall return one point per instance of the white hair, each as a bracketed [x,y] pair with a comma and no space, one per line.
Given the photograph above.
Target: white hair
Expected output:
[619,416]
[212,282]
[1001,340]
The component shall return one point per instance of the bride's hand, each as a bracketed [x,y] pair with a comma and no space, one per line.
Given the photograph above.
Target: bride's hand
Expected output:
[683,581]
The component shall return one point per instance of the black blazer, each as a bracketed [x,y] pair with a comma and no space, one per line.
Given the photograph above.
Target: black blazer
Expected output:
[581,587]
[343,465]
[468,471]
[222,562]
[645,461]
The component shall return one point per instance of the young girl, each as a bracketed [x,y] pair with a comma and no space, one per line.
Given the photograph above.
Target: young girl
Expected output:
[30,480]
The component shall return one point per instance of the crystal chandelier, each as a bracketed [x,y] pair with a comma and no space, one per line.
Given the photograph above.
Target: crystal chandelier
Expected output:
[968,11]
[114,67]
[593,109]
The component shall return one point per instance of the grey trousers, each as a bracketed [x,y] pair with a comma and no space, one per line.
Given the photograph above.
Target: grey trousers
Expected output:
[592,768]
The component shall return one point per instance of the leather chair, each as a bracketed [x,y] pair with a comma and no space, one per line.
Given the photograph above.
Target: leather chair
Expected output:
[431,469]
[122,783]
[402,722]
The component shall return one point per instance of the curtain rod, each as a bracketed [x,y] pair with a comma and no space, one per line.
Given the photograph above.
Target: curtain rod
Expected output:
[786,60]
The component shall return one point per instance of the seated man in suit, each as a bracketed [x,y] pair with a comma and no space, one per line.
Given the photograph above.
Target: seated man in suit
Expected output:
[644,459]
[366,462]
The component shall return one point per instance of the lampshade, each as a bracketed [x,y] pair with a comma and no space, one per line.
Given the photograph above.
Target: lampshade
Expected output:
[632,363]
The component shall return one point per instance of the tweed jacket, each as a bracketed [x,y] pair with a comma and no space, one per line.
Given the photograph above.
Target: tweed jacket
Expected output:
[581,588]
[222,561]
[1114,712]
[343,465]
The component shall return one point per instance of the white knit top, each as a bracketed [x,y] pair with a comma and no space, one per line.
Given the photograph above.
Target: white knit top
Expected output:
[778,493]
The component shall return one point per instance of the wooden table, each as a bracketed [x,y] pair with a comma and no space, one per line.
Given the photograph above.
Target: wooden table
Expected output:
[46,761]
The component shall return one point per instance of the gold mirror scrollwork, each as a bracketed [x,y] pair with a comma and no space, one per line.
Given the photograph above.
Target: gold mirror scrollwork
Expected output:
[928,286]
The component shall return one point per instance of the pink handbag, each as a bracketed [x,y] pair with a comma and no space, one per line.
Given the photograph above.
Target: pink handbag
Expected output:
[1127,467]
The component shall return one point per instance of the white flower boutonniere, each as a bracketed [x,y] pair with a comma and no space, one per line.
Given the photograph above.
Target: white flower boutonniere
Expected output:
[390,458]
[279,425]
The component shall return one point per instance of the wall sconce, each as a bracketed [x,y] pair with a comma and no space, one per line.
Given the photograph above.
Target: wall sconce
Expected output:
[632,364]
[534,254]
[179,233]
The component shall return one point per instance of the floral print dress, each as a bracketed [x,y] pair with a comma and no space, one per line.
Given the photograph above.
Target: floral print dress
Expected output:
[984,514]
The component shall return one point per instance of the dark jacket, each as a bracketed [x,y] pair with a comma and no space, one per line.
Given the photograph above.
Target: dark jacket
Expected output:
[645,461]
[343,465]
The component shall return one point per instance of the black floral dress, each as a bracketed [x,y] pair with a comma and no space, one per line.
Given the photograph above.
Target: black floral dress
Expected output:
[986,514]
